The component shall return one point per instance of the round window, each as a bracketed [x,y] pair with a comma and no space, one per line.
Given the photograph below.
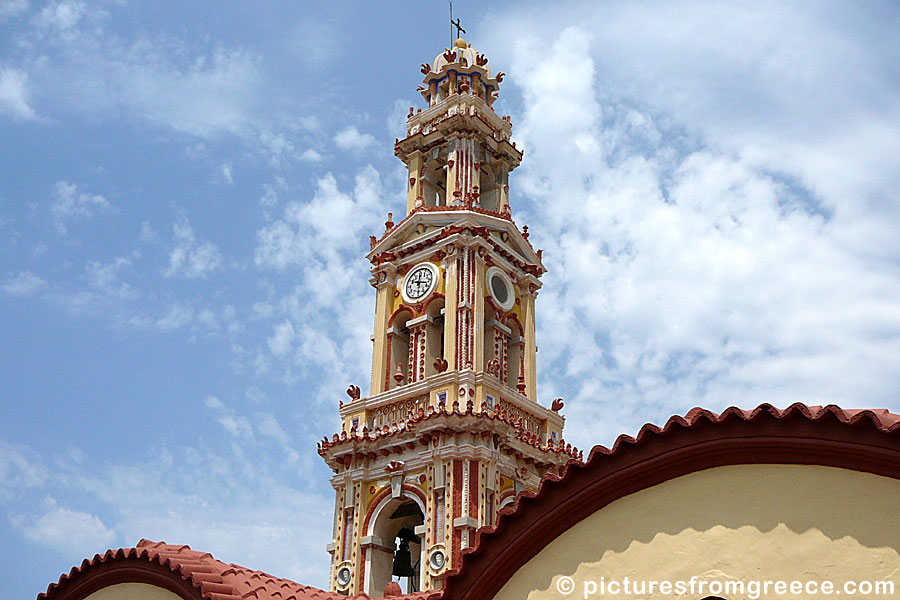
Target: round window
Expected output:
[500,288]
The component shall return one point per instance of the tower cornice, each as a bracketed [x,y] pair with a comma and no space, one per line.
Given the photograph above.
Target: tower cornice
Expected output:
[448,226]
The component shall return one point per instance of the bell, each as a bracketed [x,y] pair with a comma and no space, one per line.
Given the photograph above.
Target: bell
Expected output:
[403,561]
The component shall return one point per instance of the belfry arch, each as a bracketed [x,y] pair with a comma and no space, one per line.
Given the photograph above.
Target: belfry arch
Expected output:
[388,518]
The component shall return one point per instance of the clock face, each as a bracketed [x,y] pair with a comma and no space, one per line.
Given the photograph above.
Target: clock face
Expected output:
[419,282]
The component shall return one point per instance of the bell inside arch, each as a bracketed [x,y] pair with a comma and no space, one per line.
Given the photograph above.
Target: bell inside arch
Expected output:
[403,566]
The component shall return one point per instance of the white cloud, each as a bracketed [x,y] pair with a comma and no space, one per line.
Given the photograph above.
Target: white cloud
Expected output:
[10,9]
[69,203]
[236,426]
[190,258]
[147,233]
[25,283]
[20,470]
[350,138]
[65,530]
[271,192]
[332,220]
[177,316]
[14,95]
[311,156]
[84,66]
[280,341]
[105,278]
[396,121]
[323,239]
[61,15]
[684,268]
[225,172]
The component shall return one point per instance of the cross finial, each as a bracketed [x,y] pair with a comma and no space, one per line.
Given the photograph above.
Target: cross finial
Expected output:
[459,29]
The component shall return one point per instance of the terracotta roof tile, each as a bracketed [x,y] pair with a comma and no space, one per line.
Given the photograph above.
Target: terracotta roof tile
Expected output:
[210,578]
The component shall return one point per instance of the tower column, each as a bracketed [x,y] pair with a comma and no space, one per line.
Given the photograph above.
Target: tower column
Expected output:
[463,172]
[466,283]
[503,182]
[529,296]
[385,282]
[478,359]
[415,167]
[451,270]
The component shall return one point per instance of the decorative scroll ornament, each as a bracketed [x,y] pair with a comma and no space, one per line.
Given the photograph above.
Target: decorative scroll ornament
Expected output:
[394,466]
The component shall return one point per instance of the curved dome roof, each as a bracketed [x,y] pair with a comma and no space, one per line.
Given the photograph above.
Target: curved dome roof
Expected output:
[465,55]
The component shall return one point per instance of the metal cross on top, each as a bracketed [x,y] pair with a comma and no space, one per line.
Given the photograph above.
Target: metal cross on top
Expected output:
[453,24]
[459,28]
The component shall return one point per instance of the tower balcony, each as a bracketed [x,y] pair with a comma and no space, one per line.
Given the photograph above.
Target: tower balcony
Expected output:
[485,391]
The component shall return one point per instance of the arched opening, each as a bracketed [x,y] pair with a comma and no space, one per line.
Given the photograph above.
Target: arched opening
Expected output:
[489,181]
[394,550]
[496,344]
[434,335]
[434,182]
[516,351]
[398,342]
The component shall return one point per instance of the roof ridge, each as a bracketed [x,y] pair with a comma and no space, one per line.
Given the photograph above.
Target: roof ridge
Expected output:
[212,579]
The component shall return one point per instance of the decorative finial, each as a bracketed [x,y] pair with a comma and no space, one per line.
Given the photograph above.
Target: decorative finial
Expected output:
[389,224]
[459,29]
[525,231]
[399,376]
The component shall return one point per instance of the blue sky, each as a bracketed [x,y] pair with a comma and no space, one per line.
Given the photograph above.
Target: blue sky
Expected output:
[187,190]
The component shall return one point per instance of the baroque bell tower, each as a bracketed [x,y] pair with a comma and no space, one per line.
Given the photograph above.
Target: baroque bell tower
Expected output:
[451,430]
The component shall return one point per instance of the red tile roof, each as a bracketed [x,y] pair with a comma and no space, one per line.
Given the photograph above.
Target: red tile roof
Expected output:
[856,439]
[188,573]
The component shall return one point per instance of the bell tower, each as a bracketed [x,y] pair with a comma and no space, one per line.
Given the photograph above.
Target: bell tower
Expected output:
[451,430]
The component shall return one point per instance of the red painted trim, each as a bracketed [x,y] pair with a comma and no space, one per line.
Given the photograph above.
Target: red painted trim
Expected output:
[382,494]
[457,510]
[432,298]
[401,308]
[474,485]
[511,319]
[859,441]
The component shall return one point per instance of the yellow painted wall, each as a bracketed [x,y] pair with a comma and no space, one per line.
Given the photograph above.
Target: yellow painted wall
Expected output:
[789,522]
[133,591]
